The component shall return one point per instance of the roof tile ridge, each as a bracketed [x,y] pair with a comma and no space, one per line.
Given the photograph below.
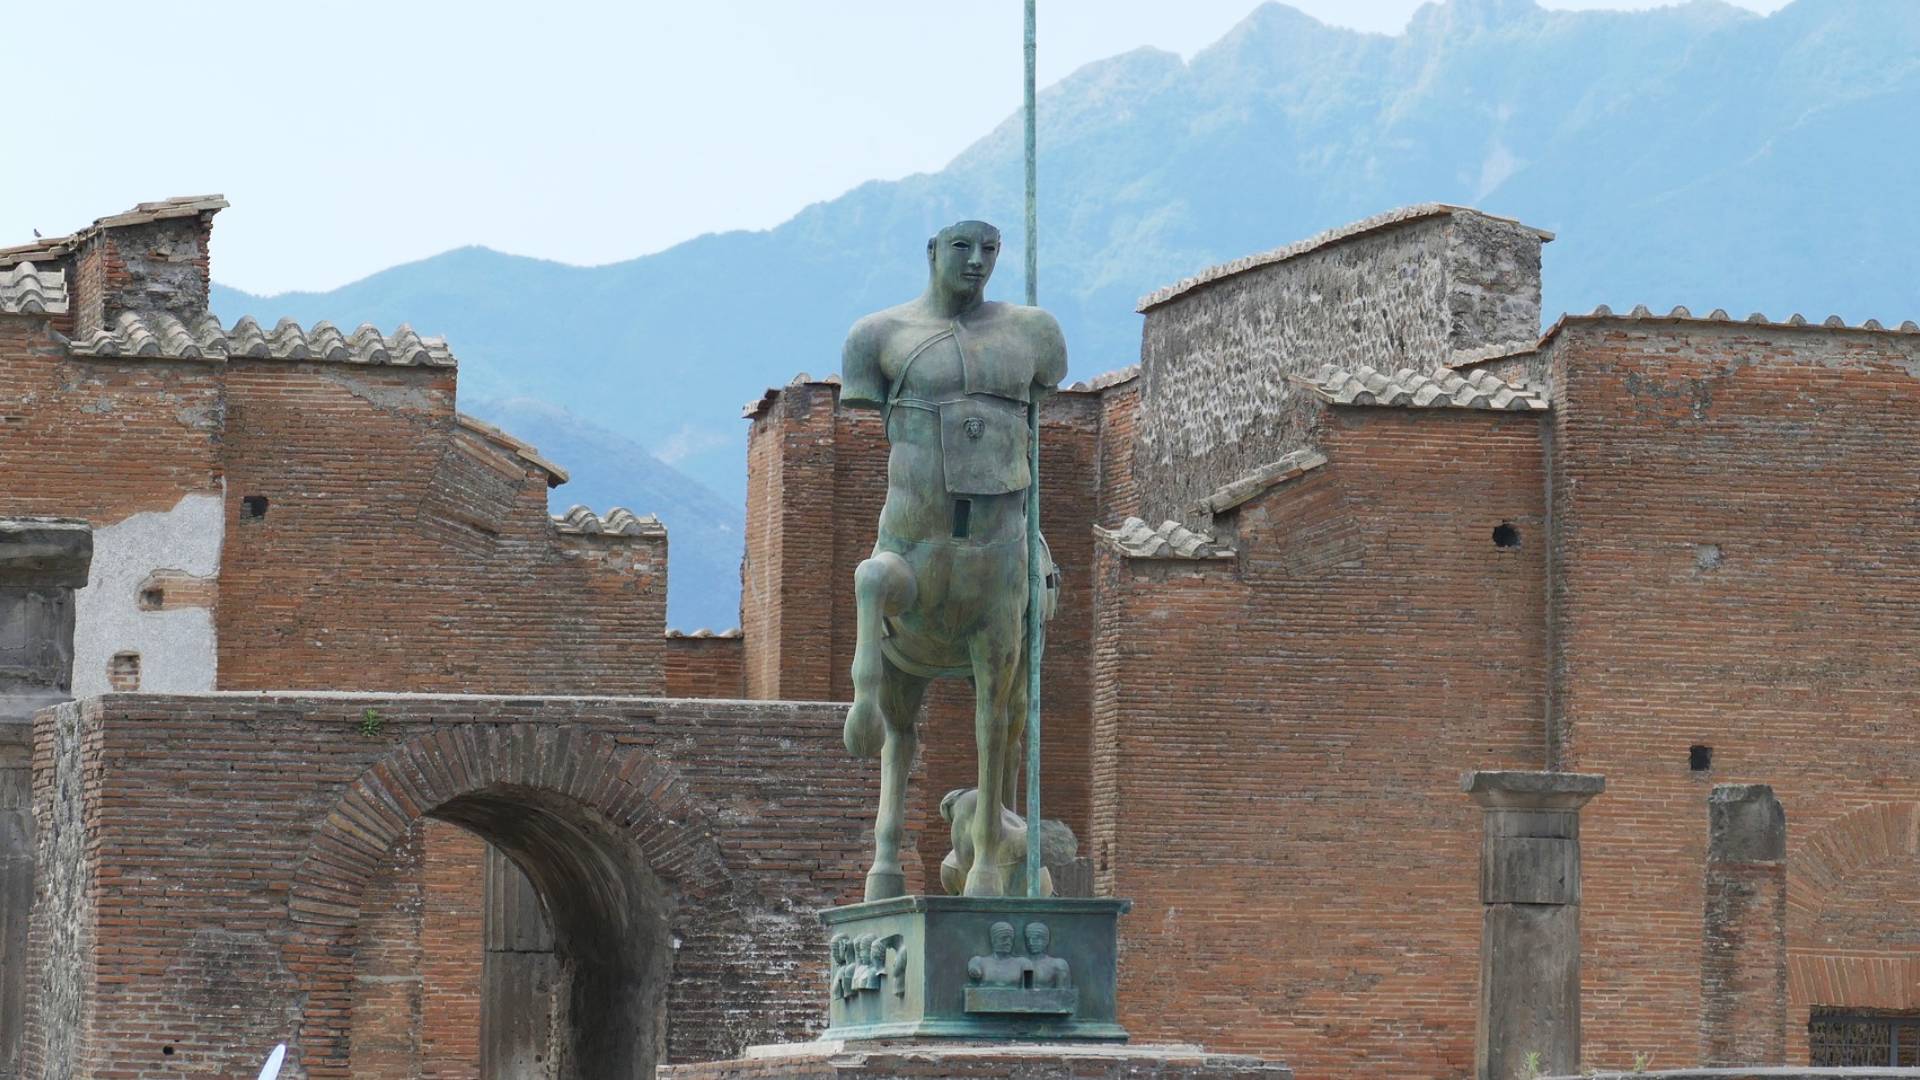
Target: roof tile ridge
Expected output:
[1170,540]
[618,522]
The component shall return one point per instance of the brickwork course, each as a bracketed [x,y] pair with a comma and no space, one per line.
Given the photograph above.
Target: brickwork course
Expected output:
[229,939]
[1351,528]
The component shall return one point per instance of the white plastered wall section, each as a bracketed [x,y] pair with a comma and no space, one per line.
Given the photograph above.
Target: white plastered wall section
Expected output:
[176,647]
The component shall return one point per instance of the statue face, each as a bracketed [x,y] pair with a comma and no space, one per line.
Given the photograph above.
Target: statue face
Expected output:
[1037,938]
[963,255]
[1002,934]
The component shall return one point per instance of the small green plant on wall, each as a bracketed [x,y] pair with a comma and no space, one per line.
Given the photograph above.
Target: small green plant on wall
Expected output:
[371,723]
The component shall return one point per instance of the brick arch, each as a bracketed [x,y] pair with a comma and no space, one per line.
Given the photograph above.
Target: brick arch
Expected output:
[634,794]
[1864,836]
[1817,869]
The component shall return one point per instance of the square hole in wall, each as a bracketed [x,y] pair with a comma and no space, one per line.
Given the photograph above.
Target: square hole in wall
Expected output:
[153,598]
[253,506]
[1699,758]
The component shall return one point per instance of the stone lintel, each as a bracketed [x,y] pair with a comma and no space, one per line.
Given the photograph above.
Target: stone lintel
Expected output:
[1746,824]
[45,552]
[1516,789]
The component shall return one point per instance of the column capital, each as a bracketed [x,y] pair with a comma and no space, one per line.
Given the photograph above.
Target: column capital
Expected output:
[45,552]
[1517,789]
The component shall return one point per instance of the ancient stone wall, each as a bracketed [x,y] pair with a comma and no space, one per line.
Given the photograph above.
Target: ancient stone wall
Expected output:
[372,543]
[131,446]
[705,664]
[1279,735]
[294,810]
[1734,579]
[1407,289]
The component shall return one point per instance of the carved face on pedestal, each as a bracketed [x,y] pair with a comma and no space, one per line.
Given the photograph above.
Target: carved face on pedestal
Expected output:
[1038,938]
[1002,935]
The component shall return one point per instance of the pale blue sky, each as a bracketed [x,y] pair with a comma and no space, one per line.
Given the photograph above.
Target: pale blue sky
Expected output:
[355,134]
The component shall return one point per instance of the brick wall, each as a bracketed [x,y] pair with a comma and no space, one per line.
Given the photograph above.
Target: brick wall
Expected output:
[101,439]
[162,966]
[397,553]
[705,665]
[1279,739]
[1735,566]
[786,610]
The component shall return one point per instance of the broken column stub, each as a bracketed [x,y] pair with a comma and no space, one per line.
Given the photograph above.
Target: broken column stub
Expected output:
[42,561]
[1529,1018]
[1743,968]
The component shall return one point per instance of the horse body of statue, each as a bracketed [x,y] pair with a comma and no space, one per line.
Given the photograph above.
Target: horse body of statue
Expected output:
[945,593]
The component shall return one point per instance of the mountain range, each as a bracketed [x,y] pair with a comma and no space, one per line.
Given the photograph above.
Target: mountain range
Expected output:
[1696,154]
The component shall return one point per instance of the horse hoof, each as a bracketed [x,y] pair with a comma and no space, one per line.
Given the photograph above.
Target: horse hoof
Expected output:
[866,730]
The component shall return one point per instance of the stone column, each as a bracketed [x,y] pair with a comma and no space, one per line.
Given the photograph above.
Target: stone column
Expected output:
[1743,963]
[1530,926]
[517,977]
[42,562]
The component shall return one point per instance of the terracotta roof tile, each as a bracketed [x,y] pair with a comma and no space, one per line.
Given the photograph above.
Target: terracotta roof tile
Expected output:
[1405,387]
[1266,476]
[619,521]
[1172,540]
[27,291]
[158,334]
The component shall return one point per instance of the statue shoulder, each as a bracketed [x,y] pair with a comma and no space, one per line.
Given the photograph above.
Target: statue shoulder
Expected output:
[1042,330]
[862,382]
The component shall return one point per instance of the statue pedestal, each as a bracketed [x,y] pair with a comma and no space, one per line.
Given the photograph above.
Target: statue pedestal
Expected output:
[835,1060]
[925,967]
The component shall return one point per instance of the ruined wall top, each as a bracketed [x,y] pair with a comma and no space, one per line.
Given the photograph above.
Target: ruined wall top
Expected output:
[1223,352]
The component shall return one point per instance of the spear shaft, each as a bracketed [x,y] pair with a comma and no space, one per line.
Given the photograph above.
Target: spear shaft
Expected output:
[1035,571]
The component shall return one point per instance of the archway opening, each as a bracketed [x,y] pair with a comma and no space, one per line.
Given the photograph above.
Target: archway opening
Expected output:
[595,1008]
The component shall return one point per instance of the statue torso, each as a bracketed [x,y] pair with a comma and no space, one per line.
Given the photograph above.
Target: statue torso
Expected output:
[958,422]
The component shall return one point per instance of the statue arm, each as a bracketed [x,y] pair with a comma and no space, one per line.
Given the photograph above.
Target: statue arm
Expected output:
[862,384]
[1050,359]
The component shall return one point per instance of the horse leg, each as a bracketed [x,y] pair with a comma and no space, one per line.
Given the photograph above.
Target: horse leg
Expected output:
[994,672]
[900,695]
[882,586]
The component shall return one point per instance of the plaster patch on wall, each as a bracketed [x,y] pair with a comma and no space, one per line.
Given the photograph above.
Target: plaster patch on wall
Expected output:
[176,647]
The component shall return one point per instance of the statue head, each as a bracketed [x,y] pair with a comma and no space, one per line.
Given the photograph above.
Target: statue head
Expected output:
[1038,938]
[960,258]
[1001,934]
[877,951]
[842,948]
[862,948]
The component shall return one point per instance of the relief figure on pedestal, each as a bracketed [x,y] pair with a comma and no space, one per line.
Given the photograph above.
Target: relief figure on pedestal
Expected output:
[1049,972]
[1002,968]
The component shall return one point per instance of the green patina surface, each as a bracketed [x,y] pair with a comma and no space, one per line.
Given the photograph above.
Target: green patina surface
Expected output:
[951,590]
[974,968]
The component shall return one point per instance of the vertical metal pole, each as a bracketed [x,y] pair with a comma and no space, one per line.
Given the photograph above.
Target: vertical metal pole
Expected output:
[1035,571]
[1033,224]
